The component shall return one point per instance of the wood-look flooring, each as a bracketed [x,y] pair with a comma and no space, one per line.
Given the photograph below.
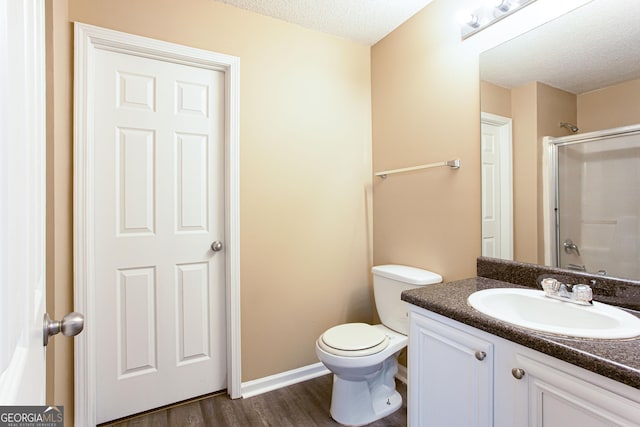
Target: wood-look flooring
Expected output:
[305,404]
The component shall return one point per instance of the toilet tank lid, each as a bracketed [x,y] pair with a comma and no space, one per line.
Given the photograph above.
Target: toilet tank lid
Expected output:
[406,274]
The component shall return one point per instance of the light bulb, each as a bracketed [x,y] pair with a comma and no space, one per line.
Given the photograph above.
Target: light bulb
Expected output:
[467,18]
[501,5]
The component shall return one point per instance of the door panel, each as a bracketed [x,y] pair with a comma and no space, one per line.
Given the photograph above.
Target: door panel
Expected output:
[136,331]
[193,312]
[135,174]
[159,203]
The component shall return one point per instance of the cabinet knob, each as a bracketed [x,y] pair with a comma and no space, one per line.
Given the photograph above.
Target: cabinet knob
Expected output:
[480,355]
[517,373]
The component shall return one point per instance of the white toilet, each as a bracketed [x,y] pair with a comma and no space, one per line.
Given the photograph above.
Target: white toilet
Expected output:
[364,358]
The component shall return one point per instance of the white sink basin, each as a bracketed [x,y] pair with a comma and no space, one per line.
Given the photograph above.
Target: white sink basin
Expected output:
[529,308]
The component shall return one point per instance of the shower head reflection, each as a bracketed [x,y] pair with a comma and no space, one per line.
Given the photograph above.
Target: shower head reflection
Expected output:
[573,128]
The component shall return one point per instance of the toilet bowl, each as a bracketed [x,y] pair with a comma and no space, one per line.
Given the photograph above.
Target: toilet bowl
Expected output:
[364,387]
[364,358]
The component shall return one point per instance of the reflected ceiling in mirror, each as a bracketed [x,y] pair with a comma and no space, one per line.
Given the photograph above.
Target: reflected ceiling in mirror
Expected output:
[593,46]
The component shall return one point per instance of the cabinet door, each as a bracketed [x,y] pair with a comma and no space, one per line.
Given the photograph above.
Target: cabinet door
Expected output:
[557,398]
[451,376]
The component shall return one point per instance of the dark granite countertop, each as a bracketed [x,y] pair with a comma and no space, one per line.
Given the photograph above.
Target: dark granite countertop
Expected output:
[615,359]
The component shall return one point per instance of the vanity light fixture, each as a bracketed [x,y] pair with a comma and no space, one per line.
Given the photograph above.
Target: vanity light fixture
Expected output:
[492,12]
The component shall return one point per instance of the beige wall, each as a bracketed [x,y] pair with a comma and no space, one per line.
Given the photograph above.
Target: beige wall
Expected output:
[495,99]
[610,107]
[525,186]
[605,108]
[305,170]
[425,95]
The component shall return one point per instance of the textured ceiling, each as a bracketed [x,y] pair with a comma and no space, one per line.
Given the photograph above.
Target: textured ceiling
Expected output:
[594,46]
[364,21]
[589,48]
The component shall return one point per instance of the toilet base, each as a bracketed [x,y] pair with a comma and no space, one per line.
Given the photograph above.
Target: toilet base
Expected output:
[363,401]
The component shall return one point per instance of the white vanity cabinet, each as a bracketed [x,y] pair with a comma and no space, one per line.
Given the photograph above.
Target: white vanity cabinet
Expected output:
[566,397]
[451,376]
[462,376]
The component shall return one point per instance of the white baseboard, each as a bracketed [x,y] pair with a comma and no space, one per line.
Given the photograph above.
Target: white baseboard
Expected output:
[283,379]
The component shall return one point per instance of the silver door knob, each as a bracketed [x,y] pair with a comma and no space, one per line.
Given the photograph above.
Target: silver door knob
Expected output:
[480,355]
[216,246]
[70,325]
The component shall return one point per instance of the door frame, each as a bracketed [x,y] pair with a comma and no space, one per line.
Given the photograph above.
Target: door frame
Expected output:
[505,152]
[88,39]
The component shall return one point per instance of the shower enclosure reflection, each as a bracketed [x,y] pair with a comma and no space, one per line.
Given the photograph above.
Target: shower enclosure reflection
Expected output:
[595,208]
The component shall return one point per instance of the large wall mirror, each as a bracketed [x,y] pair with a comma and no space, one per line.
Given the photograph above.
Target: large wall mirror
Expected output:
[576,77]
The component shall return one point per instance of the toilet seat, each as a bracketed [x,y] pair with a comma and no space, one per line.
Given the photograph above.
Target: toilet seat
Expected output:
[353,340]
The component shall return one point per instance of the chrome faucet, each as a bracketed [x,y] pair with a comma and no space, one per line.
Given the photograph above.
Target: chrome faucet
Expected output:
[577,294]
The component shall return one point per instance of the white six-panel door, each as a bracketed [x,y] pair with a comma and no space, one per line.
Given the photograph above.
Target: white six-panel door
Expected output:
[497,198]
[491,238]
[159,205]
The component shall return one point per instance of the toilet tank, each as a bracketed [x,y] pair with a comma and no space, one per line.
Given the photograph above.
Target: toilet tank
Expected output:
[388,283]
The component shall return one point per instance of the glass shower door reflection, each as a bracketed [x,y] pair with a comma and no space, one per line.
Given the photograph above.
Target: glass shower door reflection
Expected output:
[598,201]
